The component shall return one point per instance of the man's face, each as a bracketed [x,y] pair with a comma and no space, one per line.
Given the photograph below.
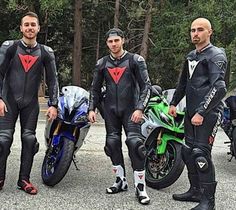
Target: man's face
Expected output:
[29,27]
[200,32]
[115,44]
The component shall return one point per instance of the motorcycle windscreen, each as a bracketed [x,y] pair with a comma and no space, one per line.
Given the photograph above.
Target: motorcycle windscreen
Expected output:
[169,94]
[74,96]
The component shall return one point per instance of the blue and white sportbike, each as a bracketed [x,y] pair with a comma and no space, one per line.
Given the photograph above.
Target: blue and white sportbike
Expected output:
[65,135]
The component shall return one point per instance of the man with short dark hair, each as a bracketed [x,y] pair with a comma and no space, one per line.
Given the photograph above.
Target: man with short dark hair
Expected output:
[21,66]
[202,81]
[127,93]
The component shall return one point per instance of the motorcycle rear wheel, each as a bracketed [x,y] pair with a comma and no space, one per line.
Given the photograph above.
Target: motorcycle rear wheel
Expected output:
[163,170]
[57,161]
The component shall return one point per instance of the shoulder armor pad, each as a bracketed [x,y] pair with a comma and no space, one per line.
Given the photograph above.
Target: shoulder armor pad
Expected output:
[48,49]
[101,61]
[218,53]
[215,51]
[191,55]
[7,43]
[222,49]
[138,58]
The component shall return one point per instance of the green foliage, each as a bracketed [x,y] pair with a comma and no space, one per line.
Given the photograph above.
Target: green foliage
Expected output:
[169,36]
[53,5]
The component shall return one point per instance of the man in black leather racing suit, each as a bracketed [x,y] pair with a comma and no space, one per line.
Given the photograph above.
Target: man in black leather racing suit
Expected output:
[21,67]
[127,93]
[202,81]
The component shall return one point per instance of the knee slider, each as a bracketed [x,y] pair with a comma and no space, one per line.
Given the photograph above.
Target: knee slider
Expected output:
[107,151]
[136,145]
[201,159]
[112,144]
[6,137]
[28,138]
[141,151]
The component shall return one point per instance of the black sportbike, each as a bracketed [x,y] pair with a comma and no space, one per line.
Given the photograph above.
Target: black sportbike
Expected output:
[229,124]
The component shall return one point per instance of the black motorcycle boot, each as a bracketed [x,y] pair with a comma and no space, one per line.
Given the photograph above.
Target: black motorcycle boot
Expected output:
[208,197]
[120,183]
[193,194]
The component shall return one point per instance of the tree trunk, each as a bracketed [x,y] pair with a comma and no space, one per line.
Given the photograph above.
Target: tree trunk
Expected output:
[147,26]
[98,43]
[230,76]
[77,48]
[117,14]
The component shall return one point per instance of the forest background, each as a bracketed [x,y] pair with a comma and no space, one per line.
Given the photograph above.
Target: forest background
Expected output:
[156,29]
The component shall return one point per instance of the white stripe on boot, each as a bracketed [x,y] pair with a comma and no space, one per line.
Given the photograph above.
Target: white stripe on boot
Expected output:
[140,187]
[121,182]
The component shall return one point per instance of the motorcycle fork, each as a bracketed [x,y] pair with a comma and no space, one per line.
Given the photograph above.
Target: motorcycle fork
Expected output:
[75,132]
[56,131]
[75,135]
[159,140]
[50,145]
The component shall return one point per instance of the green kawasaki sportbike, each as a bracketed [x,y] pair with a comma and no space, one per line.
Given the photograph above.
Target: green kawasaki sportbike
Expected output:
[164,136]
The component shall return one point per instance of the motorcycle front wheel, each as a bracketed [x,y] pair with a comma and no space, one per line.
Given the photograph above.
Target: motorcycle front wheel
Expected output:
[57,161]
[163,170]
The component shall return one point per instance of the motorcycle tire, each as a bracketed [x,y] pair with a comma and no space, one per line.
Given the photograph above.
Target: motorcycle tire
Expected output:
[233,143]
[163,170]
[62,155]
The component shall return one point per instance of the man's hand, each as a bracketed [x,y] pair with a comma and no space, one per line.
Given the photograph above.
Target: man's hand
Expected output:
[197,119]
[172,111]
[92,116]
[137,116]
[3,108]
[51,113]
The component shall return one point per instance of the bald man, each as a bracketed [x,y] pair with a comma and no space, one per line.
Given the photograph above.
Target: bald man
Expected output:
[202,81]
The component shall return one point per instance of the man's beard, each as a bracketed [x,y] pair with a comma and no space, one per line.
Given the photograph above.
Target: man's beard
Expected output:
[195,40]
[116,50]
[32,36]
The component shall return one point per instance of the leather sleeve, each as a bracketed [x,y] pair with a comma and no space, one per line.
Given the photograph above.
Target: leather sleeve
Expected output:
[143,80]
[5,59]
[51,75]
[180,89]
[95,90]
[217,67]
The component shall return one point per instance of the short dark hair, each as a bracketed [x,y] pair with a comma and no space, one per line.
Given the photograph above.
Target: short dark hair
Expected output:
[114,32]
[31,14]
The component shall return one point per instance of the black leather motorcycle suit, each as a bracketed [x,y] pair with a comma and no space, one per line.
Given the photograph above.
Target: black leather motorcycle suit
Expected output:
[127,89]
[21,70]
[202,81]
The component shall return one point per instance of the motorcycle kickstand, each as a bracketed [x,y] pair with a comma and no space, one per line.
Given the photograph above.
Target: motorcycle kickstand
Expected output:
[74,161]
[230,159]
